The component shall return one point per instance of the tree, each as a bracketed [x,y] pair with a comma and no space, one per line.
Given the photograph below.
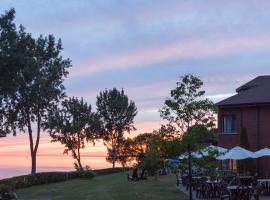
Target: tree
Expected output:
[73,125]
[125,152]
[9,56]
[186,108]
[36,71]
[152,162]
[117,114]
[246,165]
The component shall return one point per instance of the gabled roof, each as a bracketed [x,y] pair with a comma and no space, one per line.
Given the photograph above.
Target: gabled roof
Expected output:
[256,91]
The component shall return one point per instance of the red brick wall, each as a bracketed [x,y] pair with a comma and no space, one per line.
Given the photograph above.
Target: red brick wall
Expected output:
[258,134]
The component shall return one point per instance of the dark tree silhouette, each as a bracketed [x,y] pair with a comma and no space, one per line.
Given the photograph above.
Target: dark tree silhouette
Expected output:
[186,108]
[117,114]
[31,75]
[74,124]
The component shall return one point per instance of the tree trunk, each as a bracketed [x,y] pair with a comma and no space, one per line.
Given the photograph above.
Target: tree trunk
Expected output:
[113,162]
[190,173]
[189,167]
[79,153]
[34,162]
[32,150]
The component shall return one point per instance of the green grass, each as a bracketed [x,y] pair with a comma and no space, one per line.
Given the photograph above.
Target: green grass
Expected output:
[111,187]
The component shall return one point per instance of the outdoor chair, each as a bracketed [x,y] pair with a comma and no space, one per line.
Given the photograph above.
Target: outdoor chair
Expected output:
[255,193]
[243,193]
[129,178]
[134,176]
[143,175]
[224,194]
[201,188]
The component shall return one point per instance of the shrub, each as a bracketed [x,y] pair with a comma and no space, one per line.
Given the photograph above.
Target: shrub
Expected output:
[7,192]
[52,177]
[152,162]
[44,178]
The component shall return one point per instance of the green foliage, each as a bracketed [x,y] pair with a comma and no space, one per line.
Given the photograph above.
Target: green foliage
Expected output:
[32,72]
[246,165]
[73,124]
[166,141]
[186,107]
[124,152]
[117,114]
[44,178]
[152,162]
[199,137]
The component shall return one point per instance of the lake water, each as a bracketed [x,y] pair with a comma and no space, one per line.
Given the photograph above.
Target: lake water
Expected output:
[63,163]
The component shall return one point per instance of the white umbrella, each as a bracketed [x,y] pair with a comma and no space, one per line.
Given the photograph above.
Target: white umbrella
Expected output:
[210,148]
[204,152]
[263,152]
[237,153]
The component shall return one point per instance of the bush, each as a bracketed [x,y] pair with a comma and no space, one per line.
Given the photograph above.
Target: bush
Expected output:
[7,192]
[152,162]
[44,178]
[52,177]
[108,171]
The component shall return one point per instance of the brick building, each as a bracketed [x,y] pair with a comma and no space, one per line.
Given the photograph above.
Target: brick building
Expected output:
[250,109]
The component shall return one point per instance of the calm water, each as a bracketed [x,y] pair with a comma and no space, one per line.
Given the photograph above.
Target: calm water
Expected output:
[18,167]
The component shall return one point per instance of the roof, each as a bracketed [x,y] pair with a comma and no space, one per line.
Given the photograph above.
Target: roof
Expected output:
[253,92]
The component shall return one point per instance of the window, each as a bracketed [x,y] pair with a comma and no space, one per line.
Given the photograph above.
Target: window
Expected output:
[228,124]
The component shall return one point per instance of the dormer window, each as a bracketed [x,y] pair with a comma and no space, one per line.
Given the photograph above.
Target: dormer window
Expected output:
[228,124]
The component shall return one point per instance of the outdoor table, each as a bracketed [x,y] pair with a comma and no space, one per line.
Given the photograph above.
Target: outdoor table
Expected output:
[266,184]
[233,188]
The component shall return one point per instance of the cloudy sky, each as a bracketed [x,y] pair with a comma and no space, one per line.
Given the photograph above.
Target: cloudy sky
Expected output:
[145,46]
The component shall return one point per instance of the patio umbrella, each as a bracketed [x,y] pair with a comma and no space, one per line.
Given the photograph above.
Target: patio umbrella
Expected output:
[263,152]
[220,150]
[204,152]
[237,153]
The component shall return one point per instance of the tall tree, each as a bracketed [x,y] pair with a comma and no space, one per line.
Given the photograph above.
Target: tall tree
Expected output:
[8,53]
[186,108]
[117,114]
[36,71]
[73,124]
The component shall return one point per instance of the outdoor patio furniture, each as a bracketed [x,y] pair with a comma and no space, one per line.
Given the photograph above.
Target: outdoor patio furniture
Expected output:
[200,187]
[238,192]
[243,193]
[265,183]
[134,176]
[256,192]
[223,192]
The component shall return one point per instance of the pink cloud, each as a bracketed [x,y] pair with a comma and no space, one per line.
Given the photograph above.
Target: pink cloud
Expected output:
[195,49]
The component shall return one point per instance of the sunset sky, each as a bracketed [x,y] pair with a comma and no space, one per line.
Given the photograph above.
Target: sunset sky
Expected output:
[143,47]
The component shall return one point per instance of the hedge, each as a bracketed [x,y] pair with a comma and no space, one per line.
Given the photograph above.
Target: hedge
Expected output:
[44,178]
[52,177]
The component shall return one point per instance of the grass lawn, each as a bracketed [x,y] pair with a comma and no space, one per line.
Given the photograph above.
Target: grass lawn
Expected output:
[113,186]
